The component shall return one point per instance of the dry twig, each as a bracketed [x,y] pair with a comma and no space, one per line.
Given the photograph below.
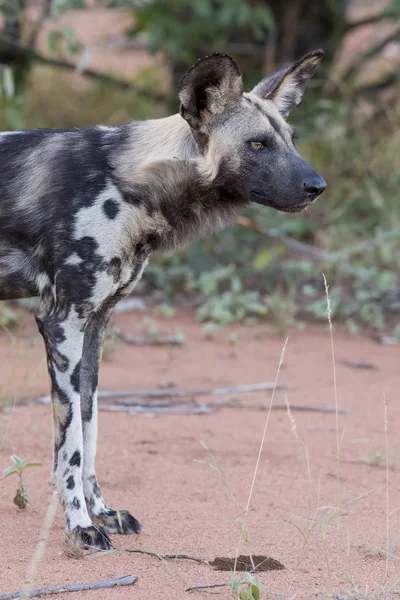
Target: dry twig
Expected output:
[139,340]
[75,587]
[205,587]
[29,53]
[179,393]
[169,556]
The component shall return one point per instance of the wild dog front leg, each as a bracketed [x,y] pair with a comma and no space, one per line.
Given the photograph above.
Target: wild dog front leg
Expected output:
[113,521]
[63,333]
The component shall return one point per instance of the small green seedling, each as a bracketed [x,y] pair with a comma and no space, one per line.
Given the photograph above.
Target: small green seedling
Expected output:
[247,588]
[18,465]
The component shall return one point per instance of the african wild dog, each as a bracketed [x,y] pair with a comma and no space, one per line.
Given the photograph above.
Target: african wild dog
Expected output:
[82,210]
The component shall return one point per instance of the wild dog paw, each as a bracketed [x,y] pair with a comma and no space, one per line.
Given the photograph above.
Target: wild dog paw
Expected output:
[91,538]
[117,521]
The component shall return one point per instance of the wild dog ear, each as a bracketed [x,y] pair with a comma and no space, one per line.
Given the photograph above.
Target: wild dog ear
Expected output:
[286,87]
[212,86]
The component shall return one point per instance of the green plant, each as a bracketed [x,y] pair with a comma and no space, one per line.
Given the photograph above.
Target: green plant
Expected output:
[376,459]
[246,588]
[7,316]
[207,22]
[18,467]
[149,327]
[166,310]
[229,306]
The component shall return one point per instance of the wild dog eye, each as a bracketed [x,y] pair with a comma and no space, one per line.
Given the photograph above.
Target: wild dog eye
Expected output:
[257,145]
[294,135]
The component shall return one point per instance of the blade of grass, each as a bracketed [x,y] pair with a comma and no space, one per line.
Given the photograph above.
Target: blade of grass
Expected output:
[260,452]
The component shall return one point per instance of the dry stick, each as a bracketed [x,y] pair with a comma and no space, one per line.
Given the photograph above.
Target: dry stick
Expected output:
[168,556]
[171,407]
[288,241]
[179,393]
[40,546]
[338,442]
[328,307]
[387,485]
[30,53]
[306,408]
[75,587]
[203,587]
[261,449]
[9,423]
[137,340]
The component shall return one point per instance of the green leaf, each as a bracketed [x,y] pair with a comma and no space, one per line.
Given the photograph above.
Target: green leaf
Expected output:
[7,472]
[262,259]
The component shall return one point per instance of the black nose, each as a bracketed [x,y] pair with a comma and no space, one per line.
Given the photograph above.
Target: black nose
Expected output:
[314,186]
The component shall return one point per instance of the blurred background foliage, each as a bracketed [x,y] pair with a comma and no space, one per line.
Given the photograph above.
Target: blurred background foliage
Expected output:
[68,63]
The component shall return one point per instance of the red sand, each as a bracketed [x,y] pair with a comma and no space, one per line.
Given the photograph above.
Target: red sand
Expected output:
[147,465]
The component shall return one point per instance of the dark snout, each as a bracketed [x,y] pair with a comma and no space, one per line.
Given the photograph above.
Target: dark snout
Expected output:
[285,182]
[314,186]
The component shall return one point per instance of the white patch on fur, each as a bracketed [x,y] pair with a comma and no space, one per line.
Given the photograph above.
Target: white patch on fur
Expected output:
[36,170]
[93,222]
[155,140]
[17,261]
[106,128]
[42,281]
[73,259]
[103,288]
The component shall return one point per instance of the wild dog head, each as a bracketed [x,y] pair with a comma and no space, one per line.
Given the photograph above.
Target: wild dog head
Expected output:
[244,138]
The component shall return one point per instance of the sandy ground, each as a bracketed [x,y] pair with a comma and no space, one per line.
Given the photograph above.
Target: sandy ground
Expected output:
[148,465]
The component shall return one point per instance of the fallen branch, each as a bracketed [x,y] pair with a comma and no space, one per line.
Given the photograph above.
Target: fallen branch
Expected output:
[138,409]
[192,408]
[355,364]
[205,587]
[29,53]
[315,251]
[169,556]
[309,408]
[370,20]
[354,68]
[137,340]
[74,587]
[179,393]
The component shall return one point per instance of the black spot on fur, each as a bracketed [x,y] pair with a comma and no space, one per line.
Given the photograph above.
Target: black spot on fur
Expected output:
[111,208]
[75,377]
[75,503]
[70,482]
[96,489]
[114,268]
[75,460]
[66,472]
